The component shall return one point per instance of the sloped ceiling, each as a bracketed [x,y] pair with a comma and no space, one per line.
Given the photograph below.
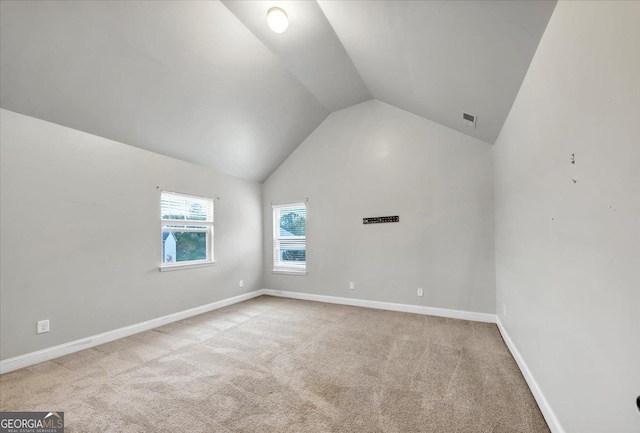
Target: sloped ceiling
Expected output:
[208,83]
[185,79]
[309,48]
[437,59]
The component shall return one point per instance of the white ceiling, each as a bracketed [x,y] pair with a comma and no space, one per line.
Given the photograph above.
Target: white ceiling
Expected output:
[185,79]
[437,59]
[309,48]
[211,84]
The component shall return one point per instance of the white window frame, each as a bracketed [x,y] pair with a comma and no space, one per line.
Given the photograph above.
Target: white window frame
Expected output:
[183,225]
[291,268]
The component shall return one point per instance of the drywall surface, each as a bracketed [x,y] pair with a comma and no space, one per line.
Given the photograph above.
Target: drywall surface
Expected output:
[372,160]
[81,243]
[568,235]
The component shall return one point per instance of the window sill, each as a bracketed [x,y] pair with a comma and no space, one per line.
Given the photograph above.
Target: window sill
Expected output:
[179,267]
[289,272]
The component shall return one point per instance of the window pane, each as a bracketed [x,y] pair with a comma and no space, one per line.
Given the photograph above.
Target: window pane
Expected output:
[293,255]
[176,206]
[183,246]
[180,228]
[293,222]
[289,243]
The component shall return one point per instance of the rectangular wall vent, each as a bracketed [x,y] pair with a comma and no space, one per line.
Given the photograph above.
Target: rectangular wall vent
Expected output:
[469,120]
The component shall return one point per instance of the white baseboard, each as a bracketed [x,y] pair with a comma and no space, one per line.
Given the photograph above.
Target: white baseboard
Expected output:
[75,346]
[545,407]
[33,358]
[405,308]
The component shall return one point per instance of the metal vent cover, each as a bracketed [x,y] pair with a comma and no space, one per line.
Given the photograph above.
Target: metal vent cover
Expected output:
[469,120]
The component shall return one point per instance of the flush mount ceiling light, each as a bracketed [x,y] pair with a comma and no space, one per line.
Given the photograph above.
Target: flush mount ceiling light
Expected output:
[277,19]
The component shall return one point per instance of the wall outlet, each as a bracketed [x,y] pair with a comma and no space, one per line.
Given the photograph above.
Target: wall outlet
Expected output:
[352,285]
[241,284]
[504,309]
[420,291]
[43,326]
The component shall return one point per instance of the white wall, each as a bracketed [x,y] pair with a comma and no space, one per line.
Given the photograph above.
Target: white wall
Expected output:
[373,159]
[81,237]
[568,254]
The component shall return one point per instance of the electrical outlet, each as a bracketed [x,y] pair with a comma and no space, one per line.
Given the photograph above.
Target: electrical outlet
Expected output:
[420,291]
[352,285]
[43,326]
[504,309]
[241,284]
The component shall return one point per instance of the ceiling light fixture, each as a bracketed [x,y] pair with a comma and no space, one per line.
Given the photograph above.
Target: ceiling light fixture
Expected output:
[277,19]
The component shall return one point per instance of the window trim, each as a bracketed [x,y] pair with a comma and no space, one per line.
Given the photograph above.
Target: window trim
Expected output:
[283,271]
[287,270]
[188,265]
[209,230]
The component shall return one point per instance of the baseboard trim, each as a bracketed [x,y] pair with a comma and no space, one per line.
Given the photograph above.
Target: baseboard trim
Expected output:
[545,407]
[33,358]
[39,356]
[405,308]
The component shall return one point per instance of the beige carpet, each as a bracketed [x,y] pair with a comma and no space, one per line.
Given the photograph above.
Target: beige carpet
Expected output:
[282,365]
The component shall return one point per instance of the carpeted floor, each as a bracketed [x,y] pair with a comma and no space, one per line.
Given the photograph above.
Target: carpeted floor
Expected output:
[282,365]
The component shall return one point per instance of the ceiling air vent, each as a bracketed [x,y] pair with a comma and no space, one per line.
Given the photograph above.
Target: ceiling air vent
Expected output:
[469,120]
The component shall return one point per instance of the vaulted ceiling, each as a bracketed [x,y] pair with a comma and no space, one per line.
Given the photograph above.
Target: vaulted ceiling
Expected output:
[209,83]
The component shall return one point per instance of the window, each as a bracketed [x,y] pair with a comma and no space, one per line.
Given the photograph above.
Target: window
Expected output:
[289,239]
[187,230]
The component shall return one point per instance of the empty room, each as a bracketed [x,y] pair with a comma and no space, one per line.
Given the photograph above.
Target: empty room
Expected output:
[335,216]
